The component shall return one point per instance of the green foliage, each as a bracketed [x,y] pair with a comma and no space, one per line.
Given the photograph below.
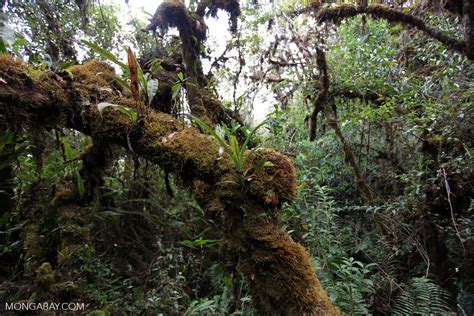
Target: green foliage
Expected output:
[162,255]
[200,306]
[422,297]
[239,154]
[200,242]
[43,29]
[73,167]
[178,93]
[315,218]
[131,114]
[8,156]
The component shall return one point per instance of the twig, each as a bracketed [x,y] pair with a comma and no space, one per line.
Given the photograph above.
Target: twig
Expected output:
[449,193]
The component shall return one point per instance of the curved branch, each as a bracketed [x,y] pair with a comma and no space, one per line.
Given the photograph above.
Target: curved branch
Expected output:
[382,12]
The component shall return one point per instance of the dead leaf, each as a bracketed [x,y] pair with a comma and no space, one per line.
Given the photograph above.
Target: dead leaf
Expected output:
[132,65]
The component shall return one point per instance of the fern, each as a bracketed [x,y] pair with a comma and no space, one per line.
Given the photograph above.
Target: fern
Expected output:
[422,297]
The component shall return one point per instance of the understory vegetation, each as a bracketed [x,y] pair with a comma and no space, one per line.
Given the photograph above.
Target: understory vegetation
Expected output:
[119,200]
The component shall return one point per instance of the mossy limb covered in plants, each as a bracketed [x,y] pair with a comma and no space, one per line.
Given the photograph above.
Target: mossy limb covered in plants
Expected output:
[279,270]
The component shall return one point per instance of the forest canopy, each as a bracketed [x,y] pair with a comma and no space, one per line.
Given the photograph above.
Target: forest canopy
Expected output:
[224,157]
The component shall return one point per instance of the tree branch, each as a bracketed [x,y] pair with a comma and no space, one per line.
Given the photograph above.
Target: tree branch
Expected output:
[382,12]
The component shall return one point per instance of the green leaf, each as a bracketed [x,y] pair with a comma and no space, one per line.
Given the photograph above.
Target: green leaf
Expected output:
[132,115]
[106,54]
[227,282]
[175,89]
[152,88]
[198,242]
[80,185]
[19,150]
[5,139]
[118,79]
[66,65]
[3,48]
[67,150]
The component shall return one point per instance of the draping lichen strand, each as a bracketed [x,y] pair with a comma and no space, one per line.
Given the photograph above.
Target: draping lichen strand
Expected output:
[383,12]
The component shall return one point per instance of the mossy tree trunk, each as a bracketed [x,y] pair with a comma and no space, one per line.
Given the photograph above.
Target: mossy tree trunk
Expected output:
[278,269]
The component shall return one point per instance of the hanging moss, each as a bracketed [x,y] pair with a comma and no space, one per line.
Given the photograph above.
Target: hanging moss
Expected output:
[192,32]
[322,98]
[230,6]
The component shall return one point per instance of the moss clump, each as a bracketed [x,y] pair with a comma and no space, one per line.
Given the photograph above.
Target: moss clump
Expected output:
[87,73]
[156,126]
[44,280]
[49,83]
[198,153]
[8,64]
[207,196]
[31,243]
[276,184]
[35,93]
[170,13]
[230,6]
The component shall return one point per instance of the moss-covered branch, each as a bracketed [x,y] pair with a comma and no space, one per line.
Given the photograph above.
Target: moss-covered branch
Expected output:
[192,32]
[392,15]
[321,98]
[324,103]
[278,270]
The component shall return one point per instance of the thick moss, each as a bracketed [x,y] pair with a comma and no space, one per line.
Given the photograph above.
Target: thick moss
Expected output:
[199,153]
[43,282]
[280,273]
[89,73]
[275,184]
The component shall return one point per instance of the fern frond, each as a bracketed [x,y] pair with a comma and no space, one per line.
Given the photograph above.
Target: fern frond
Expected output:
[422,297]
